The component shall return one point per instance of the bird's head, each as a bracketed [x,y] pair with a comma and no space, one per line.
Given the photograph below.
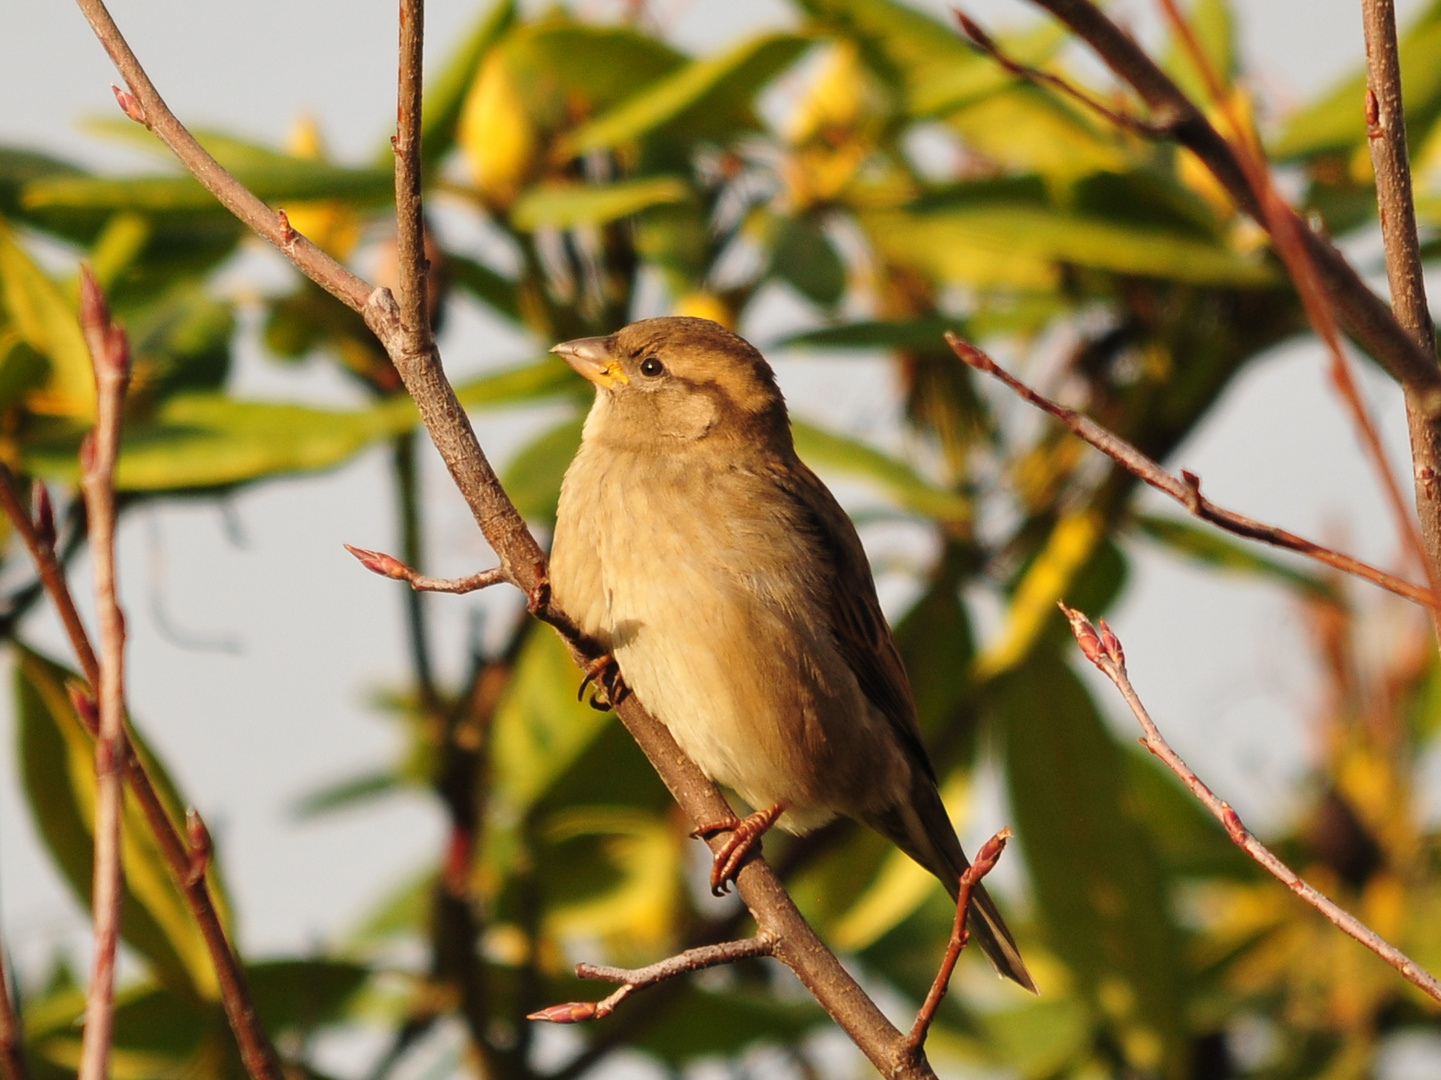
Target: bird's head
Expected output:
[664,382]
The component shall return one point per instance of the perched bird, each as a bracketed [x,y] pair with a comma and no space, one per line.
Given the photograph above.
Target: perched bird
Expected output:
[736,600]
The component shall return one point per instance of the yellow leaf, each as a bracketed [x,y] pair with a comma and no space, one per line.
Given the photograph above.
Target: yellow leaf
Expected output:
[327,223]
[496,134]
[703,305]
[1072,542]
[49,325]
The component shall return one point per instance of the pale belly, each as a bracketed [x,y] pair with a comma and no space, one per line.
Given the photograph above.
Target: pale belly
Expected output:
[716,638]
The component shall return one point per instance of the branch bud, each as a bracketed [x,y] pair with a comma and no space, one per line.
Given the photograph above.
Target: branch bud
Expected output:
[44,514]
[1085,633]
[377,562]
[572,1012]
[130,105]
[84,706]
[200,844]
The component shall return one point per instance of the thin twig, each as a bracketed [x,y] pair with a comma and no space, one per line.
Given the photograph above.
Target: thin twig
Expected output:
[1124,120]
[1186,489]
[377,562]
[985,862]
[1386,136]
[633,979]
[1367,318]
[110,357]
[1103,648]
[255,1048]
[12,1036]
[1288,236]
[412,266]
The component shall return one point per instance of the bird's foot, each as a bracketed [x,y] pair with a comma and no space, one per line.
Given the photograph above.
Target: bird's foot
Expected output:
[745,835]
[609,685]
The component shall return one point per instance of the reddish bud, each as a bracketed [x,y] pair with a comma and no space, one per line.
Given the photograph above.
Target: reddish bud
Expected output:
[1112,645]
[990,854]
[84,706]
[44,514]
[94,311]
[1373,114]
[377,562]
[1232,821]
[201,846]
[130,105]
[572,1012]
[287,232]
[1085,634]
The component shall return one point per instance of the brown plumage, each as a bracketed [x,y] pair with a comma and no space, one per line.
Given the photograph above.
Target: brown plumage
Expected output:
[735,595]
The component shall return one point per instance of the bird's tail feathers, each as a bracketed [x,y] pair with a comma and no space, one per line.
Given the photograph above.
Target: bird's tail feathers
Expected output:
[922,829]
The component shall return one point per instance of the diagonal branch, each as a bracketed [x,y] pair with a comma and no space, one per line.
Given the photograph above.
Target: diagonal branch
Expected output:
[1104,650]
[1366,317]
[522,558]
[1186,489]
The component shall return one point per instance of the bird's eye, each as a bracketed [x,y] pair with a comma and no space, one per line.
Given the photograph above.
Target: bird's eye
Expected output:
[651,367]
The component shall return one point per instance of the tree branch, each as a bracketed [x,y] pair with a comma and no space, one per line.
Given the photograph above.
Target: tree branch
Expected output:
[377,562]
[1186,489]
[1104,650]
[1367,318]
[521,557]
[633,979]
[110,357]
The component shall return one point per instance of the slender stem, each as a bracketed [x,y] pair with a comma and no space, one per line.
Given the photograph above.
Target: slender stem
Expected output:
[986,859]
[1186,489]
[1386,135]
[256,1051]
[633,979]
[1104,650]
[110,357]
[12,1036]
[377,562]
[407,489]
[409,209]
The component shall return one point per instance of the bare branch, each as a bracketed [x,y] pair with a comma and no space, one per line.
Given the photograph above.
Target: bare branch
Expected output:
[1367,318]
[985,862]
[184,864]
[1186,489]
[633,979]
[1103,649]
[1288,235]
[377,562]
[110,357]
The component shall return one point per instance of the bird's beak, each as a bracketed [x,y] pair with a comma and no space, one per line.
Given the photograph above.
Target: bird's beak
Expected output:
[592,358]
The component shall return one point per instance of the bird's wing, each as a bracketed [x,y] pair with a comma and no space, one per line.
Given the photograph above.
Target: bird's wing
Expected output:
[857,623]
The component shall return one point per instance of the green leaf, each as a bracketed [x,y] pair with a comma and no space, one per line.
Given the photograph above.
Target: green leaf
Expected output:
[689,96]
[926,60]
[923,333]
[533,382]
[182,341]
[198,441]
[48,323]
[1098,882]
[706,1023]
[900,483]
[57,759]
[1206,545]
[533,477]
[803,255]
[445,97]
[1186,836]
[1337,122]
[1021,245]
[1030,129]
[1039,1039]
[300,995]
[345,794]
[566,206]
[279,180]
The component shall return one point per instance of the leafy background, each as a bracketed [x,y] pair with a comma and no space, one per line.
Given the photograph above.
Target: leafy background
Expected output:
[250,732]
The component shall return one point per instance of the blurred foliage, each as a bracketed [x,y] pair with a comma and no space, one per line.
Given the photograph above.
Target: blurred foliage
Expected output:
[878,182]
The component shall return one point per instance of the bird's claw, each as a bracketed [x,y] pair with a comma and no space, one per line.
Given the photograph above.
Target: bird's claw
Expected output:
[745,837]
[610,689]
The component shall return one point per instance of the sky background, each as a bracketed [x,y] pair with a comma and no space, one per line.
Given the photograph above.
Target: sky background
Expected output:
[298,636]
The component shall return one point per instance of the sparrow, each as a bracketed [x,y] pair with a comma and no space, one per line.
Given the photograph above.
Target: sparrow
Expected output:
[735,599]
